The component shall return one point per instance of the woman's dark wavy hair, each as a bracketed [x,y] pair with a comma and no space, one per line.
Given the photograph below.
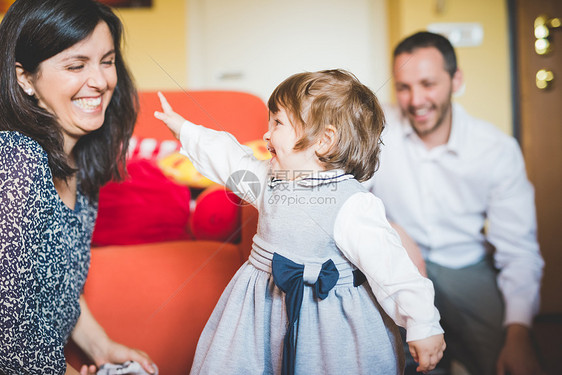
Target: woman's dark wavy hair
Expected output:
[33,31]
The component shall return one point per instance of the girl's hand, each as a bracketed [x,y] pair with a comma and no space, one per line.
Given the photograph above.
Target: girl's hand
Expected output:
[427,352]
[170,118]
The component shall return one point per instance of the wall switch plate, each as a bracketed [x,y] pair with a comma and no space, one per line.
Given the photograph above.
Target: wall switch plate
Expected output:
[460,34]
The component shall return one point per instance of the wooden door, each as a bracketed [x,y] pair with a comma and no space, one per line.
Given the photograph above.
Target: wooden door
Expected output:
[541,136]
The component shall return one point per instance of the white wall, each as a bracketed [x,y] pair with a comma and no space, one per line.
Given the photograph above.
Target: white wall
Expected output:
[252,45]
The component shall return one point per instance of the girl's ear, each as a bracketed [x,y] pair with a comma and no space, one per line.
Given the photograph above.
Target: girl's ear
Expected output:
[327,140]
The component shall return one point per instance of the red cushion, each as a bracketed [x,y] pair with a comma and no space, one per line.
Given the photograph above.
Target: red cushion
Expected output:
[216,216]
[145,208]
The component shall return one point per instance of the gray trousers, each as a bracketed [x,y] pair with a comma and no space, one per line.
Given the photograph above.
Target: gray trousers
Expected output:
[471,308]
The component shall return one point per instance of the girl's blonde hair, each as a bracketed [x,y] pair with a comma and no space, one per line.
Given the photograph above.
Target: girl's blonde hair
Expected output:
[316,100]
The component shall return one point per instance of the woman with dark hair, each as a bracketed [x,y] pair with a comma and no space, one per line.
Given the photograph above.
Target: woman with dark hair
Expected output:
[67,111]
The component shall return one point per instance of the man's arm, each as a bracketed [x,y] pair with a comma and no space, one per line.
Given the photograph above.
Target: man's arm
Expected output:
[512,231]
[411,247]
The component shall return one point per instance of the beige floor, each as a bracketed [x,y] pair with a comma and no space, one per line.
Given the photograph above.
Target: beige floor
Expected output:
[458,369]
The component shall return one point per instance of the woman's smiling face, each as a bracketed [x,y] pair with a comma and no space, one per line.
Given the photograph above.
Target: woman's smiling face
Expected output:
[76,85]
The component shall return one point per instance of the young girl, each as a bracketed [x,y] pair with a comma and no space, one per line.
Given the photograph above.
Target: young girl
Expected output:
[300,305]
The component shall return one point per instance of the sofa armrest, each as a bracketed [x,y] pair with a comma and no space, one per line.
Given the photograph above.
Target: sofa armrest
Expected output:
[157,297]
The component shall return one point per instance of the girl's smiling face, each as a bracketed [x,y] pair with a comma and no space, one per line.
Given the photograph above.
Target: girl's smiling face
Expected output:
[76,85]
[286,162]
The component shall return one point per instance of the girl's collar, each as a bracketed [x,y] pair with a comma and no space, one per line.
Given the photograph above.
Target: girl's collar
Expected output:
[315,179]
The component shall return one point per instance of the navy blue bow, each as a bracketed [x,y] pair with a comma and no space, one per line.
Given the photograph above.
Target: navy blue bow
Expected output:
[288,276]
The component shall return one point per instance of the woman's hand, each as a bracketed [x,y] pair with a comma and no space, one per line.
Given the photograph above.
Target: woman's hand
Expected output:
[116,353]
[87,370]
[93,340]
[170,118]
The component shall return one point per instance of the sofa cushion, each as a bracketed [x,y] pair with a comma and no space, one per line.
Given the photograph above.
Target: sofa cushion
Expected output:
[157,297]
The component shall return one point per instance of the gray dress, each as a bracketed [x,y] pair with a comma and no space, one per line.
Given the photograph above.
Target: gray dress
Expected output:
[345,333]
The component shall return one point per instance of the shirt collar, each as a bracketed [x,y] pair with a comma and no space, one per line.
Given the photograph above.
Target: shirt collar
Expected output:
[455,143]
[316,179]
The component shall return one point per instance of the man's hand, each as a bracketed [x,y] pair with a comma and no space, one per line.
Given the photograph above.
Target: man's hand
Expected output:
[170,118]
[518,356]
[412,248]
[427,352]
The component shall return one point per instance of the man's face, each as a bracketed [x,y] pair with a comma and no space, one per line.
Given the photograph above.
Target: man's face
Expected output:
[424,89]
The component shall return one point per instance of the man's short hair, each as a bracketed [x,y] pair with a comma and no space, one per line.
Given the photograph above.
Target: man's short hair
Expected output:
[425,39]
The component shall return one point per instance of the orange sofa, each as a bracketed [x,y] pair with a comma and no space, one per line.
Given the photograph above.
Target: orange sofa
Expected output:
[157,297]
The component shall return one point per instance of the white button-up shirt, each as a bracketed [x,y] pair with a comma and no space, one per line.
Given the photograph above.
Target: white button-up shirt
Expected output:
[457,199]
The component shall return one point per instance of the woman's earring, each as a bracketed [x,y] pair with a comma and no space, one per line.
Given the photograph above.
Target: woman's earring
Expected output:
[29,91]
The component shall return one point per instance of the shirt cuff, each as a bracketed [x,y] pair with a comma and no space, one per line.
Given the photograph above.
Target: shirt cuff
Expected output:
[519,312]
[185,128]
[423,331]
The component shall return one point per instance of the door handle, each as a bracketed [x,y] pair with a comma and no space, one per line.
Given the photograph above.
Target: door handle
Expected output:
[544,79]
[543,27]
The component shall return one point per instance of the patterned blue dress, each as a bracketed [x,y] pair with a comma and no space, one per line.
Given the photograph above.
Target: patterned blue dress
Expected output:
[44,260]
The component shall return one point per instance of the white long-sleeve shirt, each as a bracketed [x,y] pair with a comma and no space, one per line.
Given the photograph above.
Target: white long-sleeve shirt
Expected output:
[361,230]
[456,199]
